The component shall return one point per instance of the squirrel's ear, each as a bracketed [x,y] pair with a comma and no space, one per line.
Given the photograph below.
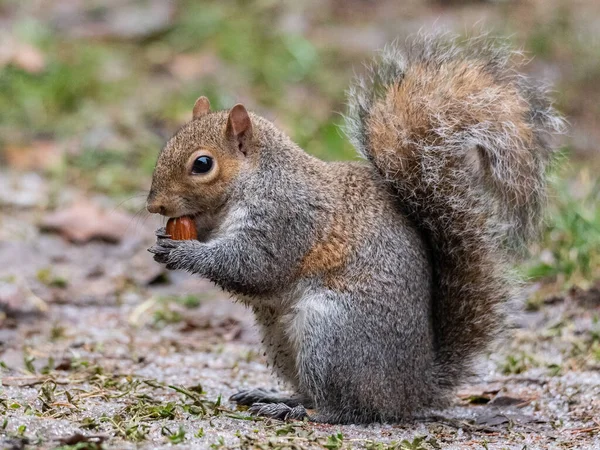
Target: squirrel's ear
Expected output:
[201,107]
[239,127]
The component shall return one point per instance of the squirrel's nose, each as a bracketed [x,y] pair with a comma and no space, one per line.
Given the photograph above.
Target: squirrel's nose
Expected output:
[155,208]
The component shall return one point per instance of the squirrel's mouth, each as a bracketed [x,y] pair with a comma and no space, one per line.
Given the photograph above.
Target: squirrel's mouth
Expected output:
[206,219]
[188,215]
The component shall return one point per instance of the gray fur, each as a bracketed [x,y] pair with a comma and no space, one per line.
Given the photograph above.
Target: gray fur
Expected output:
[387,316]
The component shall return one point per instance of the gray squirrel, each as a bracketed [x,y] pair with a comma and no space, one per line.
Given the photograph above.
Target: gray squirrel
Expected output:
[375,284]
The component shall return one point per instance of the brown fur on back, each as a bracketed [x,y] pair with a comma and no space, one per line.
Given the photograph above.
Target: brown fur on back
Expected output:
[345,227]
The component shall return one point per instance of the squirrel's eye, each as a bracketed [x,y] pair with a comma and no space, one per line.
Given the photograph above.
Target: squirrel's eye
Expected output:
[202,164]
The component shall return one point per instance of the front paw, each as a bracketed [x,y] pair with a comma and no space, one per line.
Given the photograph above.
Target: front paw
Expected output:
[164,249]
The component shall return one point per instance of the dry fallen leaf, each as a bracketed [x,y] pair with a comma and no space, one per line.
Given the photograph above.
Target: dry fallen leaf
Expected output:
[188,67]
[39,155]
[85,221]
[29,58]
[20,54]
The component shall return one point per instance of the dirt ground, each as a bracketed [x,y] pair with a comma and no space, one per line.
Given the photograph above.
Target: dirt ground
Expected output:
[100,347]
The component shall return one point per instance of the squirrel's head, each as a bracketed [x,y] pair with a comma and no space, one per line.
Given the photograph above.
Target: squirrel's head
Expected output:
[195,169]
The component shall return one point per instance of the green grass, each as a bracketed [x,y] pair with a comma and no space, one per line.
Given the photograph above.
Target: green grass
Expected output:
[569,251]
[171,310]
[111,104]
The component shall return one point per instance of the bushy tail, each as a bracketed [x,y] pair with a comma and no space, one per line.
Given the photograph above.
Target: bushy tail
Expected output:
[464,140]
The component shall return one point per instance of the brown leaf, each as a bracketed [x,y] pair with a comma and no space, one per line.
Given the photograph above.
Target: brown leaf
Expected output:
[188,67]
[85,221]
[20,54]
[29,58]
[39,155]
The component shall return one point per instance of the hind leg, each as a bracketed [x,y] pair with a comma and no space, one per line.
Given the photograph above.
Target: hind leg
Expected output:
[270,403]
[251,396]
[279,411]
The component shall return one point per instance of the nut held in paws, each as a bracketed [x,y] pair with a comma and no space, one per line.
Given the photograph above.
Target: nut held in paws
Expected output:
[182,228]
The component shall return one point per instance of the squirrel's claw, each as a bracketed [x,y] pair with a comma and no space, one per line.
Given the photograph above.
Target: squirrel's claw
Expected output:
[168,243]
[163,248]
[279,411]
[161,254]
[251,396]
[161,233]
[157,250]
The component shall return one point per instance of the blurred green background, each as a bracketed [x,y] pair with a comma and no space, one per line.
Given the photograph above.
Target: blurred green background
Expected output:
[90,90]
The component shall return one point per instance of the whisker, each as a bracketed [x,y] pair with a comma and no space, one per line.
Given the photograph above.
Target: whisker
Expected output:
[128,199]
[134,223]
[147,215]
